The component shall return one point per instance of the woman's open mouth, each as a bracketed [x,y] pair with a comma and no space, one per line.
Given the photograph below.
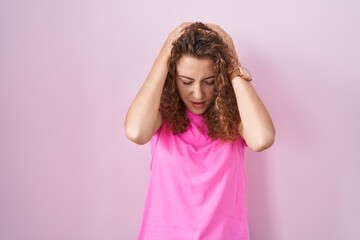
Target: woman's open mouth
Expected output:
[198,104]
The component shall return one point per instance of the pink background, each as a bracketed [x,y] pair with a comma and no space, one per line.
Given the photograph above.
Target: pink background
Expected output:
[69,70]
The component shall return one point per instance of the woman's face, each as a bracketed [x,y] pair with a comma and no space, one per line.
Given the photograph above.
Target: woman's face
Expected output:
[196,82]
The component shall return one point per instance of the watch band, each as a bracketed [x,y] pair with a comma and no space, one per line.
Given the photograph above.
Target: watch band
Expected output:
[240,71]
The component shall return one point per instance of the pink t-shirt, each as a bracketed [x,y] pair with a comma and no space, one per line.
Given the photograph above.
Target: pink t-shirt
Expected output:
[197,187]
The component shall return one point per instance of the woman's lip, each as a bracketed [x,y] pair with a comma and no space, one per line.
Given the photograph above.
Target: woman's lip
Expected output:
[198,104]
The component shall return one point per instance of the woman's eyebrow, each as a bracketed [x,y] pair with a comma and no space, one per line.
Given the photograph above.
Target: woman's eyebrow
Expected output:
[189,78]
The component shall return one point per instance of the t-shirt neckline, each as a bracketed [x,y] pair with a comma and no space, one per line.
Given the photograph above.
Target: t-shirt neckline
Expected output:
[198,119]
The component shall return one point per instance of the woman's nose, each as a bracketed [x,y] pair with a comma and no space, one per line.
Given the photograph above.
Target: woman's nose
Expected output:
[198,92]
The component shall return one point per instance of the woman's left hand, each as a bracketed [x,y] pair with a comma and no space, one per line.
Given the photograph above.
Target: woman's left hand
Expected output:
[227,39]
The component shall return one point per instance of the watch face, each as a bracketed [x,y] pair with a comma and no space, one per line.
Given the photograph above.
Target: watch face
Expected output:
[245,72]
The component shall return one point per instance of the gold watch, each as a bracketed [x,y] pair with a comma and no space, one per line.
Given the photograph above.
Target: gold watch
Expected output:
[241,72]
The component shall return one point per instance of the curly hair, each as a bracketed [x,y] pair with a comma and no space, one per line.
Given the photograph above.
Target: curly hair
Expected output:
[222,117]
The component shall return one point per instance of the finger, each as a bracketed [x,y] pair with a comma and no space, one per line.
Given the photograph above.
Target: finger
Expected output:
[182,26]
[213,26]
[177,32]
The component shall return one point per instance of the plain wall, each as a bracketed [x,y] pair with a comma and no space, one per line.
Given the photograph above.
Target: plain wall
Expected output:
[70,69]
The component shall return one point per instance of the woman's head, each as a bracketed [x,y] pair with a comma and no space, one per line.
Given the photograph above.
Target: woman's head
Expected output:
[198,80]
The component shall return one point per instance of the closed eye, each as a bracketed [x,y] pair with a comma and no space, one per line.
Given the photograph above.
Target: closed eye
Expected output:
[210,83]
[187,83]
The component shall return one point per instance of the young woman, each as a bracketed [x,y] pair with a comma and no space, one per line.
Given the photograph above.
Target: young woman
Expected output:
[199,111]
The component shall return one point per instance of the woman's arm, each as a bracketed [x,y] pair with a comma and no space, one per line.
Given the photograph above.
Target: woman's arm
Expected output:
[256,126]
[143,118]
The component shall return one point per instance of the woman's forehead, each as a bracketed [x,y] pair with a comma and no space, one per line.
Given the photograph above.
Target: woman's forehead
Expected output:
[189,65]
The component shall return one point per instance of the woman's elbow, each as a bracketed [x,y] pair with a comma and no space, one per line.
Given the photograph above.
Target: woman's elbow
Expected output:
[263,142]
[136,136]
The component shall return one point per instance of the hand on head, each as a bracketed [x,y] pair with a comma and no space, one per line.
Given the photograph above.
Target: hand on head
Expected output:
[179,30]
[226,38]
[173,36]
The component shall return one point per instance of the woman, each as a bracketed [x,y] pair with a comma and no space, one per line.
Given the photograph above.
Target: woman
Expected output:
[200,111]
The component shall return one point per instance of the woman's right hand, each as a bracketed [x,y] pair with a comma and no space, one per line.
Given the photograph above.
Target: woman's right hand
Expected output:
[173,36]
